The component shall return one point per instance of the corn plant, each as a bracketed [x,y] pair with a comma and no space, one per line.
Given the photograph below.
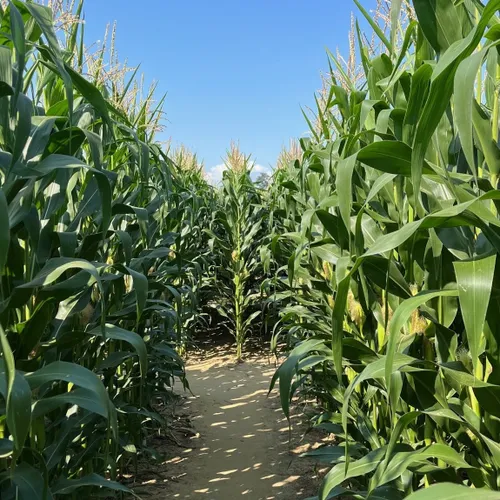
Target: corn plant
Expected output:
[236,236]
[391,242]
[93,291]
[193,205]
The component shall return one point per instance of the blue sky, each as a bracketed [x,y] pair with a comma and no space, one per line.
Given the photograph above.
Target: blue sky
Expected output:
[232,69]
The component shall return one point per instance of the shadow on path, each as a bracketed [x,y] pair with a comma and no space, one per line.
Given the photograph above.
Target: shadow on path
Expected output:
[240,447]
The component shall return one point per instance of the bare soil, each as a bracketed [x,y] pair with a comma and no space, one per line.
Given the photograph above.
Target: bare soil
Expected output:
[231,439]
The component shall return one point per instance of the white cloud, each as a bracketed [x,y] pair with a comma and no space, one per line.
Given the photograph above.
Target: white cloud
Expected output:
[214,174]
[261,168]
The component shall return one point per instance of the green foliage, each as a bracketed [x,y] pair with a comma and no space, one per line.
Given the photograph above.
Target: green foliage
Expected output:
[101,247]
[388,230]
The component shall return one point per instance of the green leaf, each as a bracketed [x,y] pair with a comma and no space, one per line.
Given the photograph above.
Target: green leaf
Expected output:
[334,227]
[393,157]
[286,371]
[90,92]
[395,13]
[361,467]
[465,78]
[374,26]
[70,372]
[135,340]
[483,128]
[30,483]
[56,267]
[66,486]
[345,169]
[420,84]
[338,314]
[474,281]
[439,22]
[24,109]
[4,232]
[17,395]
[80,397]
[452,491]
[19,39]
[401,461]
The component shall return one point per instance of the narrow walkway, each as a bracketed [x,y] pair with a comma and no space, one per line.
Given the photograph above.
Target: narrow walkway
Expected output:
[240,449]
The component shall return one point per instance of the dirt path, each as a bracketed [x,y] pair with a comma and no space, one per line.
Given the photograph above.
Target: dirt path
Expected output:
[240,445]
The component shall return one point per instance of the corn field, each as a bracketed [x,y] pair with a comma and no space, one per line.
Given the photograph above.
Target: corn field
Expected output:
[370,259]
[100,263]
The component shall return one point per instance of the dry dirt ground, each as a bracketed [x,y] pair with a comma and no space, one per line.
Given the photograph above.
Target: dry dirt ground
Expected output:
[235,441]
